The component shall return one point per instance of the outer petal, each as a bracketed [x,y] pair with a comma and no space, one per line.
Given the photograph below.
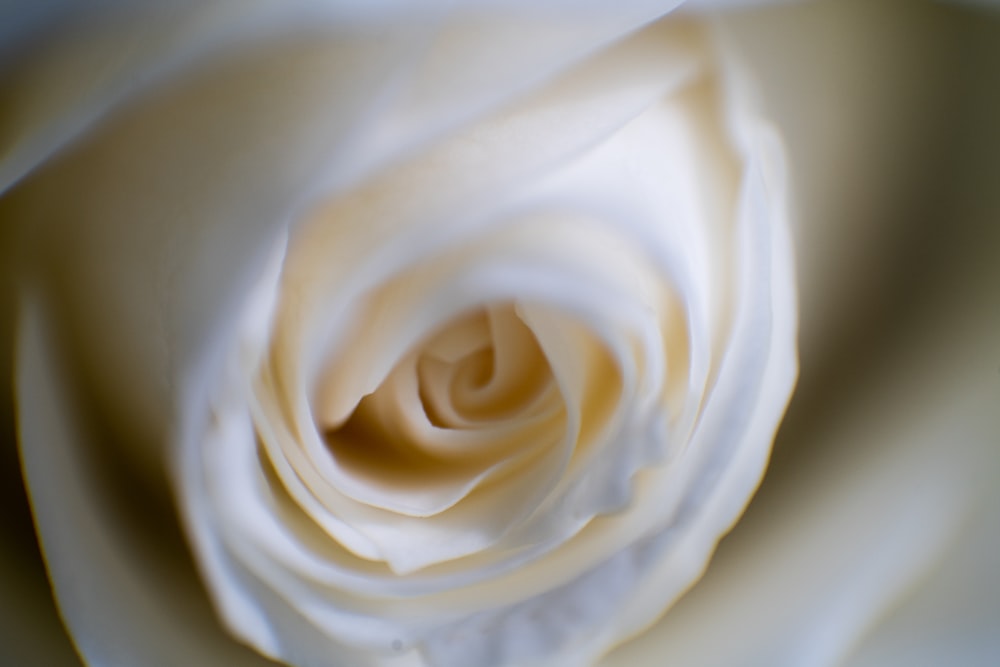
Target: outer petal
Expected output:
[801,583]
[127,597]
[876,525]
[71,64]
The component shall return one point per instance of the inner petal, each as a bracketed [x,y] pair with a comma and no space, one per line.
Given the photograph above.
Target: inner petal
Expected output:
[476,393]
[503,377]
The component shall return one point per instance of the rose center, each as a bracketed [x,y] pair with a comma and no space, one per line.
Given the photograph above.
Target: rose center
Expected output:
[477,390]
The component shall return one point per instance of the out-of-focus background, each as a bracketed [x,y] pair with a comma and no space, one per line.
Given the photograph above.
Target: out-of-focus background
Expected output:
[874,537]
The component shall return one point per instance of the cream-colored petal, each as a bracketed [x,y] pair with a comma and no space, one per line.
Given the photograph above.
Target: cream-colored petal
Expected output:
[76,67]
[124,585]
[148,233]
[801,582]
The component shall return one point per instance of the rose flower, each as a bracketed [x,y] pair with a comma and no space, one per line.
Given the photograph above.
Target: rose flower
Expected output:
[451,337]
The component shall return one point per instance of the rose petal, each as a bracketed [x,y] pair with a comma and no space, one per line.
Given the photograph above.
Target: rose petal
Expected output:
[94,61]
[125,598]
[821,569]
[170,240]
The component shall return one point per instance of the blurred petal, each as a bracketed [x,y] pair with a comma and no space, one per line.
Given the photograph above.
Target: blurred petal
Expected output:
[73,64]
[31,632]
[801,584]
[952,616]
[124,587]
[715,5]
[876,525]
[163,217]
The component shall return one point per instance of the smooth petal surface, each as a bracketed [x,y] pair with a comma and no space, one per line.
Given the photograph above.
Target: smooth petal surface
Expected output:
[802,583]
[71,67]
[125,600]
[868,543]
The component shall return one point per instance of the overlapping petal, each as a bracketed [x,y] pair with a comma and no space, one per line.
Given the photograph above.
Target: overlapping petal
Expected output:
[645,265]
[608,214]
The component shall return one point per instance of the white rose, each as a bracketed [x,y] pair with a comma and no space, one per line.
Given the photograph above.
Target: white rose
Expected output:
[862,90]
[462,336]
